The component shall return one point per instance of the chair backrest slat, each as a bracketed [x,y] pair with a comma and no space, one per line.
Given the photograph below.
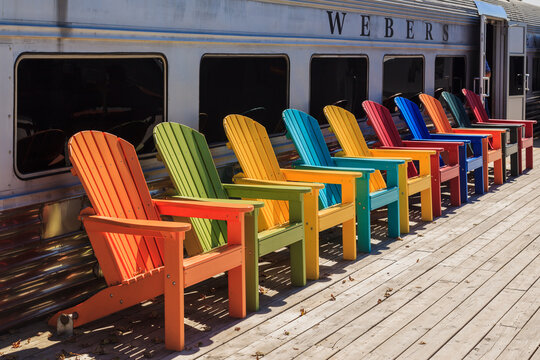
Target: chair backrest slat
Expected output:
[251,144]
[112,177]
[457,109]
[308,139]
[436,113]
[351,139]
[188,160]
[380,119]
[476,105]
[412,115]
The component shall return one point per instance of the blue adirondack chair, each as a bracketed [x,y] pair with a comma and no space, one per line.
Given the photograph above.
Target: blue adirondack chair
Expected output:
[412,115]
[308,139]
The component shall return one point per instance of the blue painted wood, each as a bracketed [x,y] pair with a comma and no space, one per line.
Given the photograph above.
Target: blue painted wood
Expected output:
[414,119]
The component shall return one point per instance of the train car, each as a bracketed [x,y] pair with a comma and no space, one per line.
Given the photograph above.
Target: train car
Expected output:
[123,66]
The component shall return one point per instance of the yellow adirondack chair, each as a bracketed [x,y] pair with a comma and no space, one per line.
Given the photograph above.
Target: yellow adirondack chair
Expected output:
[252,147]
[343,124]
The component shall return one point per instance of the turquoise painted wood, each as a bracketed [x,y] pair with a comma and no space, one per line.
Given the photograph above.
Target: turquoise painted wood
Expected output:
[510,148]
[189,162]
[412,115]
[308,139]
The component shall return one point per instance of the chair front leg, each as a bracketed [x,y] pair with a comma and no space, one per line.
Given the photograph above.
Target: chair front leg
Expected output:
[237,275]
[311,234]
[252,261]
[363,212]
[174,291]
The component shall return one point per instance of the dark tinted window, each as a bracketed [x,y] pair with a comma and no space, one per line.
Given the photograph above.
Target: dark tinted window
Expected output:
[340,81]
[515,83]
[57,97]
[254,86]
[402,76]
[535,86]
[449,75]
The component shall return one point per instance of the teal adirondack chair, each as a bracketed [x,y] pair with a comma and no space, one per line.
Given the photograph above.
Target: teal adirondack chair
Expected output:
[189,162]
[510,148]
[308,139]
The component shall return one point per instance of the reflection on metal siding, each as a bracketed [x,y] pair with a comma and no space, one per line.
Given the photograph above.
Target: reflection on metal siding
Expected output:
[46,261]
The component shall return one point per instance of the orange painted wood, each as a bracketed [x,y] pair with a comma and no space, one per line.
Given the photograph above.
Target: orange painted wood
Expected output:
[492,149]
[140,255]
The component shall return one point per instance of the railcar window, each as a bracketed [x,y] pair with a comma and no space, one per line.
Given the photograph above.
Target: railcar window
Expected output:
[255,86]
[449,74]
[338,80]
[402,76]
[59,96]
[535,86]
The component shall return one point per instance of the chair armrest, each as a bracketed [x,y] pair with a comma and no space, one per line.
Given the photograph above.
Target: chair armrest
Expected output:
[422,156]
[390,166]
[132,226]
[251,181]
[267,192]
[413,149]
[403,153]
[379,164]
[325,174]
[529,130]
[199,209]
[445,145]
[510,121]
[456,137]
[452,147]
[496,134]
[256,204]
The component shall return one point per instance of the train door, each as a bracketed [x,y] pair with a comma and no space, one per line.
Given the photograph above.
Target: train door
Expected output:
[517,65]
[491,82]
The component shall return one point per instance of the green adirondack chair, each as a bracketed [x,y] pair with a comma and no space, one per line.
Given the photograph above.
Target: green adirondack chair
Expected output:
[189,162]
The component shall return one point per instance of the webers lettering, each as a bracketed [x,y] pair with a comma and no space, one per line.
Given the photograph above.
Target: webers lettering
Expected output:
[368,26]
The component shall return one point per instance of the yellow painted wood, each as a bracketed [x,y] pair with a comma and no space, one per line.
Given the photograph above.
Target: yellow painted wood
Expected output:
[331,215]
[254,151]
[350,137]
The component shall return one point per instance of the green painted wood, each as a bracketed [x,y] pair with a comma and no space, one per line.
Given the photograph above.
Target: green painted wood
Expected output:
[189,162]
[183,154]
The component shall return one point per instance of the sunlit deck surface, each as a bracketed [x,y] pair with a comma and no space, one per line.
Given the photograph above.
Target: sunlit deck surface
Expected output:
[464,286]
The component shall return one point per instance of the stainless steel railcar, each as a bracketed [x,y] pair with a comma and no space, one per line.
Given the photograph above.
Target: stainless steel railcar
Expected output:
[125,65]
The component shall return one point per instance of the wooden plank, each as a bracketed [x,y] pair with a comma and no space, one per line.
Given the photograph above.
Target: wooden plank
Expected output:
[466,240]
[494,342]
[525,343]
[446,328]
[342,337]
[466,339]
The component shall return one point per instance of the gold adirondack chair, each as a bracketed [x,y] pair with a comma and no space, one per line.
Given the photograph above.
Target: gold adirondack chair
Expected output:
[252,147]
[352,142]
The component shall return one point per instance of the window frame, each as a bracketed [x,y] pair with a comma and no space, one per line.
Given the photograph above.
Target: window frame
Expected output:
[531,84]
[452,56]
[245,55]
[335,56]
[77,55]
[407,56]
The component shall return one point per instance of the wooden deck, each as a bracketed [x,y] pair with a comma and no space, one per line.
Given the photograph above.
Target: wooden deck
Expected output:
[464,286]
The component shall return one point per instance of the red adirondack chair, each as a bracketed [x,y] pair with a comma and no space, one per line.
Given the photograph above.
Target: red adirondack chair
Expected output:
[524,142]
[140,255]
[380,119]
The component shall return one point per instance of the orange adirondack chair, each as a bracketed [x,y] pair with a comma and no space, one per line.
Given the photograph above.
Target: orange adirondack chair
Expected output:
[140,255]
[492,148]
